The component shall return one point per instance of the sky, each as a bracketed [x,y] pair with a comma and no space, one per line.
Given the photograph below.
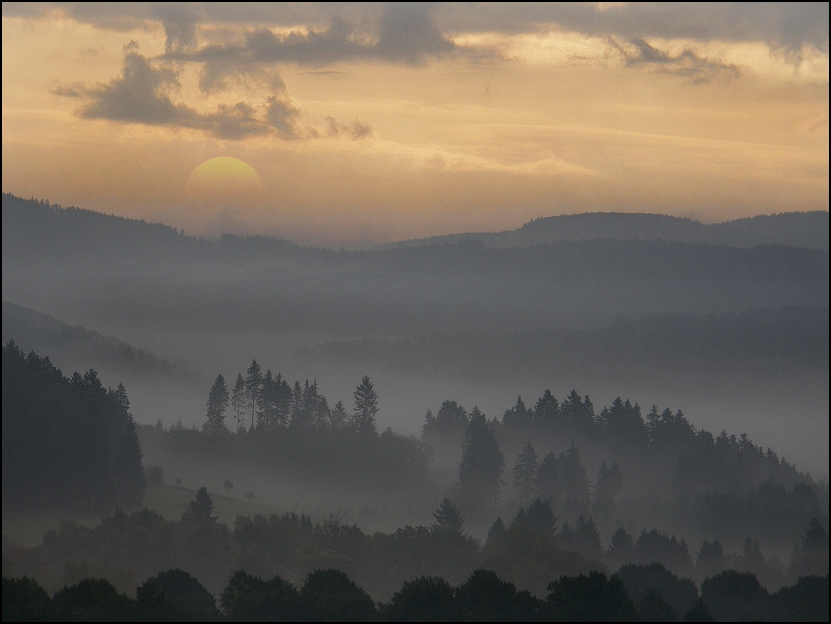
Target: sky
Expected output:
[348,124]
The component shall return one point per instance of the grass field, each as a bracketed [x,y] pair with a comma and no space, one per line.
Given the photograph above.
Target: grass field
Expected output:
[27,528]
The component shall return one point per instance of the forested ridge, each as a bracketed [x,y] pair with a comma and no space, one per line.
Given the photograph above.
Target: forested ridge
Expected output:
[66,440]
[150,275]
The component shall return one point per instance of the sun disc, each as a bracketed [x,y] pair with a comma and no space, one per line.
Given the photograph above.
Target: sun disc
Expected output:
[224,180]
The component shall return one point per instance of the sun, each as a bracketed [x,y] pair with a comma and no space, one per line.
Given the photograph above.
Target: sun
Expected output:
[224,181]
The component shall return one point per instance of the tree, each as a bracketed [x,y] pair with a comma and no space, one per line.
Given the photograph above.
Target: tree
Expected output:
[586,539]
[338,417]
[253,385]
[228,485]
[217,404]
[548,480]
[329,595]
[609,485]
[181,597]
[621,549]
[525,474]
[202,507]
[238,400]
[366,407]
[448,518]
[592,598]
[537,517]
[25,601]
[517,416]
[575,482]
[251,599]
[482,463]
[546,410]
[425,599]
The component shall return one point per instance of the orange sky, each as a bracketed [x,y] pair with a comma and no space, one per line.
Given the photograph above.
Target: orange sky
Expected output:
[372,123]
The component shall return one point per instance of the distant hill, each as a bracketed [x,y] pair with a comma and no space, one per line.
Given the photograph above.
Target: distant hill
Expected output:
[792,229]
[77,348]
[112,272]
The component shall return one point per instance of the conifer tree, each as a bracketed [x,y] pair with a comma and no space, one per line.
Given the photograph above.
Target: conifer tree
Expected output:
[366,407]
[482,463]
[448,518]
[253,385]
[525,474]
[217,404]
[202,507]
[238,400]
[608,486]
[338,417]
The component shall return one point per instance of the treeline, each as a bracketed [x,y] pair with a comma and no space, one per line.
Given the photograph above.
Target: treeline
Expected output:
[157,277]
[795,229]
[722,348]
[67,441]
[330,596]
[290,548]
[43,333]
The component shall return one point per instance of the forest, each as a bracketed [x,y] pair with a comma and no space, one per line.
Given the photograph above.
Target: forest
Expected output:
[594,417]
[542,558]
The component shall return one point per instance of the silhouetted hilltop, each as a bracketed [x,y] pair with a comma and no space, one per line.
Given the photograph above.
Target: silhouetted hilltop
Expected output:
[108,271]
[77,348]
[793,229]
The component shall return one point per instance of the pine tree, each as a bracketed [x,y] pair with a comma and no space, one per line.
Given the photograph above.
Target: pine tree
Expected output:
[202,507]
[575,482]
[253,385]
[366,407]
[548,480]
[525,474]
[518,416]
[609,485]
[448,518]
[587,538]
[482,463]
[217,404]
[268,402]
[338,417]
[547,410]
[238,400]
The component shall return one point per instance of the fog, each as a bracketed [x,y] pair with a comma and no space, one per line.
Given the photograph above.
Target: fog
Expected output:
[723,340]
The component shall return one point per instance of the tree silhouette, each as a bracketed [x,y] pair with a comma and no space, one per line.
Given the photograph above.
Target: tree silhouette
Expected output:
[482,462]
[228,485]
[202,507]
[525,474]
[253,386]
[238,401]
[366,407]
[448,518]
[217,404]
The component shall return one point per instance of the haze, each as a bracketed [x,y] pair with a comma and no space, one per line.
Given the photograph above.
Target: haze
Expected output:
[374,123]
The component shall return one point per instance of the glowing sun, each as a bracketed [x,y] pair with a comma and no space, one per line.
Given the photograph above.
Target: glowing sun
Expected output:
[224,181]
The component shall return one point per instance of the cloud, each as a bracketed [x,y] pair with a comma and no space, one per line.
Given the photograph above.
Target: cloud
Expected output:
[356,130]
[142,95]
[686,63]
[785,27]
[406,35]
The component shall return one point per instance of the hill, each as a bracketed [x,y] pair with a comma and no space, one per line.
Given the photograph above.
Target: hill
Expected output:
[77,348]
[120,274]
[793,229]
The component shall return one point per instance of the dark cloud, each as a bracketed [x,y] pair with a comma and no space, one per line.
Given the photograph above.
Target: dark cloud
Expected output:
[139,95]
[686,63]
[406,35]
[142,95]
[785,27]
[355,130]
